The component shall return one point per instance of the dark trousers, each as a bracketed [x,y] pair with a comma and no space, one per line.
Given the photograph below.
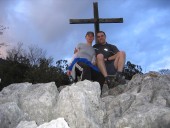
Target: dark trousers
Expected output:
[86,72]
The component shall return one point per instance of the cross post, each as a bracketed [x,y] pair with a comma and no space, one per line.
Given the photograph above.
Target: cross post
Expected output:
[96,20]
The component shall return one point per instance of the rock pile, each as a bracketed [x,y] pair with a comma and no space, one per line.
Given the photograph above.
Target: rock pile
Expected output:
[144,102]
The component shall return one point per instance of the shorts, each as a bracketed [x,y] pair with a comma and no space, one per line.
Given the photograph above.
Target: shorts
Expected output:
[110,68]
[83,71]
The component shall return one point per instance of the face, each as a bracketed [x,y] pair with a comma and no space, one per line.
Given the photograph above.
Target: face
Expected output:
[101,38]
[89,38]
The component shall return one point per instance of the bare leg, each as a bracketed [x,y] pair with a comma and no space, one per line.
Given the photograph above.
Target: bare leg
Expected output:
[101,64]
[120,61]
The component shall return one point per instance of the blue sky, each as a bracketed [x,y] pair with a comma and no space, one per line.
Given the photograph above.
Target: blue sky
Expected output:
[144,35]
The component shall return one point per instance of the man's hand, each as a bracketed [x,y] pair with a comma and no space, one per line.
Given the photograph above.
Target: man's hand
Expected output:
[106,59]
[111,58]
[68,72]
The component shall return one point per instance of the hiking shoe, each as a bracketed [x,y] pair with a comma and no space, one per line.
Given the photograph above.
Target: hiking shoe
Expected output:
[120,78]
[110,80]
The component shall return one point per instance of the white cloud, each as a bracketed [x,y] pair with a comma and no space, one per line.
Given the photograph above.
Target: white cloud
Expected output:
[144,35]
[164,63]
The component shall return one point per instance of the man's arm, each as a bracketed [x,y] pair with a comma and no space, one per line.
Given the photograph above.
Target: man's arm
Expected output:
[114,50]
[113,57]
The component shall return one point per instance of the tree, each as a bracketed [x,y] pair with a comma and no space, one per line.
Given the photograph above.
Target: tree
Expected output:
[62,65]
[13,69]
[12,72]
[16,53]
[165,71]
[31,66]
[2,44]
[35,54]
[44,72]
[2,28]
[131,69]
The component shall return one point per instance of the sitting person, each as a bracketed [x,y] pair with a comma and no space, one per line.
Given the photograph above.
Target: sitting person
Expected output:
[110,60]
[83,63]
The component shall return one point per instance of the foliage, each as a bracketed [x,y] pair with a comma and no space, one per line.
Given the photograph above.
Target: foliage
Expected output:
[44,72]
[35,54]
[164,71]
[131,69]
[12,72]
[20,67]
[62,64]
[2,28]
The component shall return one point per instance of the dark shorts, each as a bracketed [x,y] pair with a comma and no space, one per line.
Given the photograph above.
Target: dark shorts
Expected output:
[85,72]
[110,67]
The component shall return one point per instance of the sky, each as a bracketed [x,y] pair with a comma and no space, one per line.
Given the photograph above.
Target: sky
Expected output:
[144,35]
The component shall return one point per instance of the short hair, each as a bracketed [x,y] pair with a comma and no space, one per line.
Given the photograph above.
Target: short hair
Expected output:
[101,32]
[90,33]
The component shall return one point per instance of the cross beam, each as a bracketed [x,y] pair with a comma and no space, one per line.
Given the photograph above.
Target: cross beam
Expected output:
[96,20]
[101,20]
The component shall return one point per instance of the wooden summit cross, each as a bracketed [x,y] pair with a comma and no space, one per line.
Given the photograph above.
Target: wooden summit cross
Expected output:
[96,20]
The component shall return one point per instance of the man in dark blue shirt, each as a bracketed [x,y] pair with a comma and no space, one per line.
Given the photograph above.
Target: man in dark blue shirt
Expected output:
[110,60]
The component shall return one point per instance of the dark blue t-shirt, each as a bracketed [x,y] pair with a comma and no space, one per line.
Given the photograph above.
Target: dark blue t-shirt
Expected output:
[107,50]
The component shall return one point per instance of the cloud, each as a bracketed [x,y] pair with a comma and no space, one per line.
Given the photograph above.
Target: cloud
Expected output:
[144,35]
[50,19]
[164,63]
[45,23]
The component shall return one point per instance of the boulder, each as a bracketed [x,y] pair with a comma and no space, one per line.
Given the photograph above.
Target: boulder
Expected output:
[36,101]
[58,123]
[27,124]
[80,104]
[40,101]
[144,102]
[10,115]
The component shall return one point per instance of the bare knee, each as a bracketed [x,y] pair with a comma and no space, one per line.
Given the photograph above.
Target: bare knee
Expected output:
[100,57]
[122,54]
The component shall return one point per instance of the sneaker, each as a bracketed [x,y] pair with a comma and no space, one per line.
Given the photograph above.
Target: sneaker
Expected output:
[119,78]
[109,82]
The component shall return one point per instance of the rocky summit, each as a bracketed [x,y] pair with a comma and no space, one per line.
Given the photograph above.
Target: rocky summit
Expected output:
[144,102]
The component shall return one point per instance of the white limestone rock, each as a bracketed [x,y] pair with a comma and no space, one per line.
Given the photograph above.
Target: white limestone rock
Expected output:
[145,103]
[81,106]
[27,124]
[37,101]
[40,101]
[58,123]
[10,115]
